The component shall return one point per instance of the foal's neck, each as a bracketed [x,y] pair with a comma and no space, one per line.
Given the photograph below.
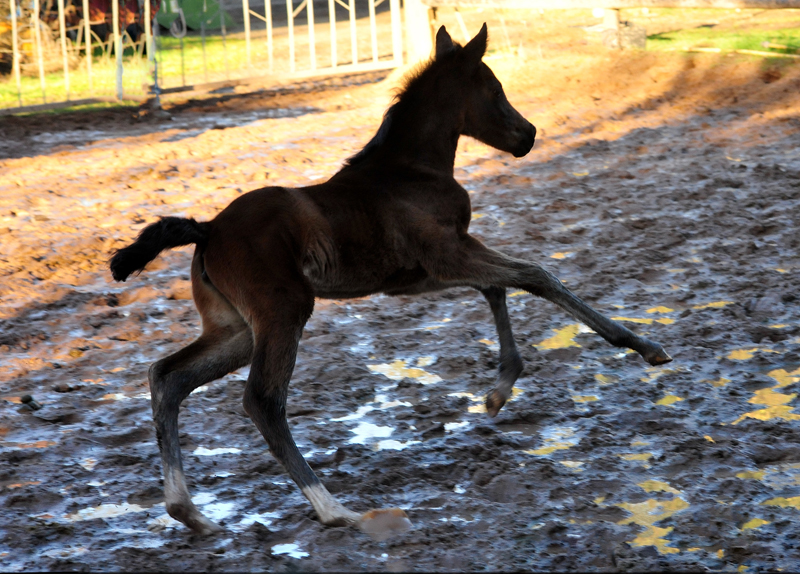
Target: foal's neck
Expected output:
[426,134]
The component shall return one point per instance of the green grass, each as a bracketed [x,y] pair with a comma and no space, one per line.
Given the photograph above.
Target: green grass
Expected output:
[727,40]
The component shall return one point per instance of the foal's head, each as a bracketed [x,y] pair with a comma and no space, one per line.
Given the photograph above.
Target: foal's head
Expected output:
[488,116]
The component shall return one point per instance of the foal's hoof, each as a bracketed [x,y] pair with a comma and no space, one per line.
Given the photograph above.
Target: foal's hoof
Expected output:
[657,357]
[202,525]
[384,523]
[494,402]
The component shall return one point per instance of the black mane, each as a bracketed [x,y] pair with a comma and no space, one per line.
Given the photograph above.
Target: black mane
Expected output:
[409,83]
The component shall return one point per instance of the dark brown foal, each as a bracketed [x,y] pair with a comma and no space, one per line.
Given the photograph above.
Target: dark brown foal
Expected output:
[393,220]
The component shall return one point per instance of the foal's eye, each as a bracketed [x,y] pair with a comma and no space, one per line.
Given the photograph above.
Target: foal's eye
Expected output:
[497,92]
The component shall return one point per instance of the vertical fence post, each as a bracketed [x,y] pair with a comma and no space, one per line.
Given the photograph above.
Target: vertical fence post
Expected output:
[117,45]
[62,29]
[312,46]
[222,14]
[87,33]
[332,22]
[290,24]
[397,32]
[203,39]
[418,31]
[353,37]
[148,36]
[246,13]
[373,31]
[15,51]
[268,16]
[37,34]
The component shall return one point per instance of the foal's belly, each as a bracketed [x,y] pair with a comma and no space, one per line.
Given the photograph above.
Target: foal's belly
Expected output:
[400,281]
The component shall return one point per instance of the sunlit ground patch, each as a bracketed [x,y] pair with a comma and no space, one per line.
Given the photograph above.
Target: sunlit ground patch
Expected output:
[399,370]
[564,337]
[650,512]
[783,502]
[776,404]
[713,305]
[754,523]
[555,438]
[669,400]
[605,379]
[747,354]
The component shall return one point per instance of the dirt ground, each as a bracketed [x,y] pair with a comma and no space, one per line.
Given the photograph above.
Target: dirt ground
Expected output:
[664,189]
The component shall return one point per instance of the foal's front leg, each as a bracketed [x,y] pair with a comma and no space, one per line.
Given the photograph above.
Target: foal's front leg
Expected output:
[510,361]
[277,328]
[472,263]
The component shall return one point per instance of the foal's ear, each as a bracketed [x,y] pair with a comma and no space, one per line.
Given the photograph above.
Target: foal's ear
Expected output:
[444,43]
[476,47]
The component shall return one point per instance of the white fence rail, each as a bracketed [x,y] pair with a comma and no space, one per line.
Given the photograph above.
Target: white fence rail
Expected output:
[54,56]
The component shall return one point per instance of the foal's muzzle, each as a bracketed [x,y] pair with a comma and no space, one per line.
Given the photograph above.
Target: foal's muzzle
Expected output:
[527,137]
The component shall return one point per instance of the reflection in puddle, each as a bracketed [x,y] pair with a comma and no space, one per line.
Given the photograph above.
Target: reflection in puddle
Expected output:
[399,370]
[366,431]
[88,463]
[564,337]
[203,451]
[292,550]
[104,511]
[37,444]
[380,403]
[573,464]
[555,438]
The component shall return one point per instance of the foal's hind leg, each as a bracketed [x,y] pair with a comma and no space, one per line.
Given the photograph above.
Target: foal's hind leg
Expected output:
[225,345]
[510,361]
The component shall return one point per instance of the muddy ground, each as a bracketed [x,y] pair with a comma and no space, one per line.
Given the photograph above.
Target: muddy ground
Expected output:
[663,188]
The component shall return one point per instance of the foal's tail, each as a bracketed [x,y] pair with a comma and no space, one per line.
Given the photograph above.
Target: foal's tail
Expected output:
[166,233]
